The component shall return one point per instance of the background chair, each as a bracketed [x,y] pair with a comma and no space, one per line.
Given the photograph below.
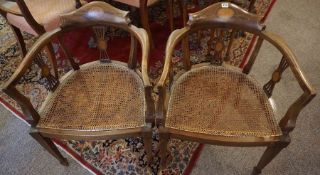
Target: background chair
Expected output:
[215,103]
[143,6]
[35,17]
[96,101]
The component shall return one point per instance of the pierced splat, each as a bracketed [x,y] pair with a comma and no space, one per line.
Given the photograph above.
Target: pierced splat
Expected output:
[276,77]
[216,47]
[51,81]
[102,45]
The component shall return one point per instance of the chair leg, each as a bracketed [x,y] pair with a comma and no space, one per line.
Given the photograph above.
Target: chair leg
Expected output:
[67,53]
[19,37]
[144,17]
[147,140]
[164,140]
[49,146]
[170,14]
[270,153]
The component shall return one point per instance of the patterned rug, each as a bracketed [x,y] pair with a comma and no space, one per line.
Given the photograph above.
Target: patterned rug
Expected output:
[123,156]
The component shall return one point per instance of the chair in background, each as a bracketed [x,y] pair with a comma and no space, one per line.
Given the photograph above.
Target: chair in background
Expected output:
[215,103]
[96,101]
[143,6]
[35,17]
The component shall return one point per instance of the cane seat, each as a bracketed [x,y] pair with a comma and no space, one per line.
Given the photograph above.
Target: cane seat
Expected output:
[220,101]
[114,92]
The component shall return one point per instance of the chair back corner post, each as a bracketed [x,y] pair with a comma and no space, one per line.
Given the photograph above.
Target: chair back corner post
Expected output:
[288,122]
[32,116]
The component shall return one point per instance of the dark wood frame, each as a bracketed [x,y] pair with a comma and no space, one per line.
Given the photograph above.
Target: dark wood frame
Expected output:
[107,15]
[236,19]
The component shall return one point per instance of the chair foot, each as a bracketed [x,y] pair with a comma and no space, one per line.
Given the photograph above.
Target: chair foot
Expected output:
[164,139]
[64,162]
[256,171]
[270,153]
[147,139]
[49,146]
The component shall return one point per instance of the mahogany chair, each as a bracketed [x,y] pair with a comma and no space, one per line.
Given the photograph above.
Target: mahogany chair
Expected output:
[35,17]
[99,100]
[216,103]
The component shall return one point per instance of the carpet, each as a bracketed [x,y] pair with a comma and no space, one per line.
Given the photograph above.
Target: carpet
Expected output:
[123,156]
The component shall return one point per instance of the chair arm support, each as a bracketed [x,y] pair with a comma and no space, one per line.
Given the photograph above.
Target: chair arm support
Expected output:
[174,38]
[26,106]
[288,122]
[9,87]
[290,57]
[143,38]
[27,60]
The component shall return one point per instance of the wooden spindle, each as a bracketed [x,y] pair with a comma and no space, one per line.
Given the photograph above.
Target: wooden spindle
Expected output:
[253,56]
[232,37]
[132,63]
[52,82]
[276,77]
[102,45]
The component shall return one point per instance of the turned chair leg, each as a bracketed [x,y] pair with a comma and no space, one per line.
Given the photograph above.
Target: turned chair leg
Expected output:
[164,140]
[49,146]
[270,153]
[19,37]
[170,14]
[144,17]
[147,140]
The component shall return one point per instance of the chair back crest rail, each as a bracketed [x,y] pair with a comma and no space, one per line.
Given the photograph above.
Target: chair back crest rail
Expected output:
[97,15]
[228,17]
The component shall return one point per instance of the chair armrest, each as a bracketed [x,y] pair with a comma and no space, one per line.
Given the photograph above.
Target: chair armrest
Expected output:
[175,37]
[27,60]
[9,87]
[288,122]
[143,38]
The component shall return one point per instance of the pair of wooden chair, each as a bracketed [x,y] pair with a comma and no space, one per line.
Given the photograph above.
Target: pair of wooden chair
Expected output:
[210,103]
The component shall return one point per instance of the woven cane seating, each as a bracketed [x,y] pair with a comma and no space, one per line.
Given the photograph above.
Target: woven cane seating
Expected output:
[213,102]
[104,99]
[97,97]
[238,110]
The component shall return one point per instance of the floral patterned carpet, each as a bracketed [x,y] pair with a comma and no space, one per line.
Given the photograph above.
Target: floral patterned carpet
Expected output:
[123,156]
